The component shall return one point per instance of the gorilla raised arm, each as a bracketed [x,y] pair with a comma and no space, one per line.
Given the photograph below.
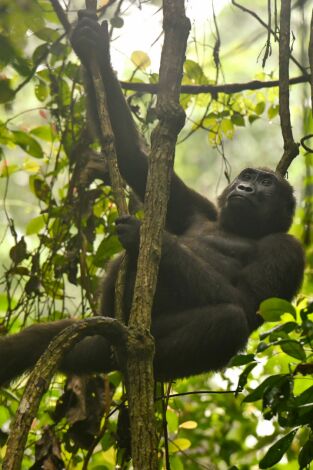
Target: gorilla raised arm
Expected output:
[217,264]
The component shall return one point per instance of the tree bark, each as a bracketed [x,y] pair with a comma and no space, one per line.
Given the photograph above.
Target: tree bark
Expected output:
[140,382]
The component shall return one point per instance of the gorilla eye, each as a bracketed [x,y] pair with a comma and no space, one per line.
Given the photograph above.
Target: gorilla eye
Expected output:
[266,181]
[246,176]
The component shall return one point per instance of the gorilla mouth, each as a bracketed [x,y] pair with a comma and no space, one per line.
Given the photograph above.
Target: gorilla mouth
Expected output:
[238,198]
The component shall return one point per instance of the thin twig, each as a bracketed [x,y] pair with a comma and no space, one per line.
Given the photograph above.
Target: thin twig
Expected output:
[256,16]
[268,48]
[291,149]
[213,89]
[311,59]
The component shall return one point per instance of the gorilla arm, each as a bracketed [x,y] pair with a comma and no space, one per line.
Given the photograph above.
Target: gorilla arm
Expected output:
[21,351]
[276,270]
[133,163]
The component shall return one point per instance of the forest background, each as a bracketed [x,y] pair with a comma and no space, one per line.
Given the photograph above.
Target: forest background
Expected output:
[58,229]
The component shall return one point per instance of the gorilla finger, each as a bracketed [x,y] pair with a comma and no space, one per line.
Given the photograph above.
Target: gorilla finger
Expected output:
[123,219]
[87,14]
[105,29]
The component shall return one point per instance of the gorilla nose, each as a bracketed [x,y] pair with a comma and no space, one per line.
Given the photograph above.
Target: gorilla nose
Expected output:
[245,188]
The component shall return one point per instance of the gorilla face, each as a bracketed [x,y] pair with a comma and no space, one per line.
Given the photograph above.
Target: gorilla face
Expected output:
[256,203]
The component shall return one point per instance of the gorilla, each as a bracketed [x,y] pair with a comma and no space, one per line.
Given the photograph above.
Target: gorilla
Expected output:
[217,263]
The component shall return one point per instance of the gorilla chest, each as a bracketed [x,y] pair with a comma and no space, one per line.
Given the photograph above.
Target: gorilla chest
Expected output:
[227,256]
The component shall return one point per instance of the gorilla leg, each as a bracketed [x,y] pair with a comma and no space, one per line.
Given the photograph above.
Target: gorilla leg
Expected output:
[198,340]
[21,351]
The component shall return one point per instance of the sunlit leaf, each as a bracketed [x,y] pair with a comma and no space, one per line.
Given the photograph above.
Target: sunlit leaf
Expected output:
[41,90]
[172,420]
[189,425]
[141,59]
[176,463]
[43,132]
[272,309]
[194,72]
[273,111]
[179,444]
[7,170]
[35,225]
[227,128]
[260,107]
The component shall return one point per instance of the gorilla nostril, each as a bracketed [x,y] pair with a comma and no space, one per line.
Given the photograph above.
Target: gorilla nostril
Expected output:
[245,188]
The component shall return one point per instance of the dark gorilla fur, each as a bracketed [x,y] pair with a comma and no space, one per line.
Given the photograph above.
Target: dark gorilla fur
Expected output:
[217,265]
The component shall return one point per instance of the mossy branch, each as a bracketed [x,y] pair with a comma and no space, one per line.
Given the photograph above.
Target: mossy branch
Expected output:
[43,372]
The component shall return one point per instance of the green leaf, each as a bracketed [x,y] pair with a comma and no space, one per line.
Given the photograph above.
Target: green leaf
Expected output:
[28,144]
[172,420]
[179,444]
[259,108]
[43,132]
[176,463]
[4,415]
[270,382]
[238,120]
[305,397]
[272,309]
[306,454]
[241,359]
[279,330]
[273,111]
[41,90]
[19,252]
[227,127]
[40,53]
[35,225]
[194,72]
[189,425]
[47,34]
[6,93]
[244,376]
[293,348]
[253,117]
[107,248]
[7,51]
[140,59]
[275,453]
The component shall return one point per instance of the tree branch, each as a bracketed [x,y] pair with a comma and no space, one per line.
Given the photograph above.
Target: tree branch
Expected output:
[291,149]
[41,375]
[213,89]
[171,119]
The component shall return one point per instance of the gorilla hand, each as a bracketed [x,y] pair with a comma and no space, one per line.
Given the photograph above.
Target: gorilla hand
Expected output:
[88,35]
[128,232]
